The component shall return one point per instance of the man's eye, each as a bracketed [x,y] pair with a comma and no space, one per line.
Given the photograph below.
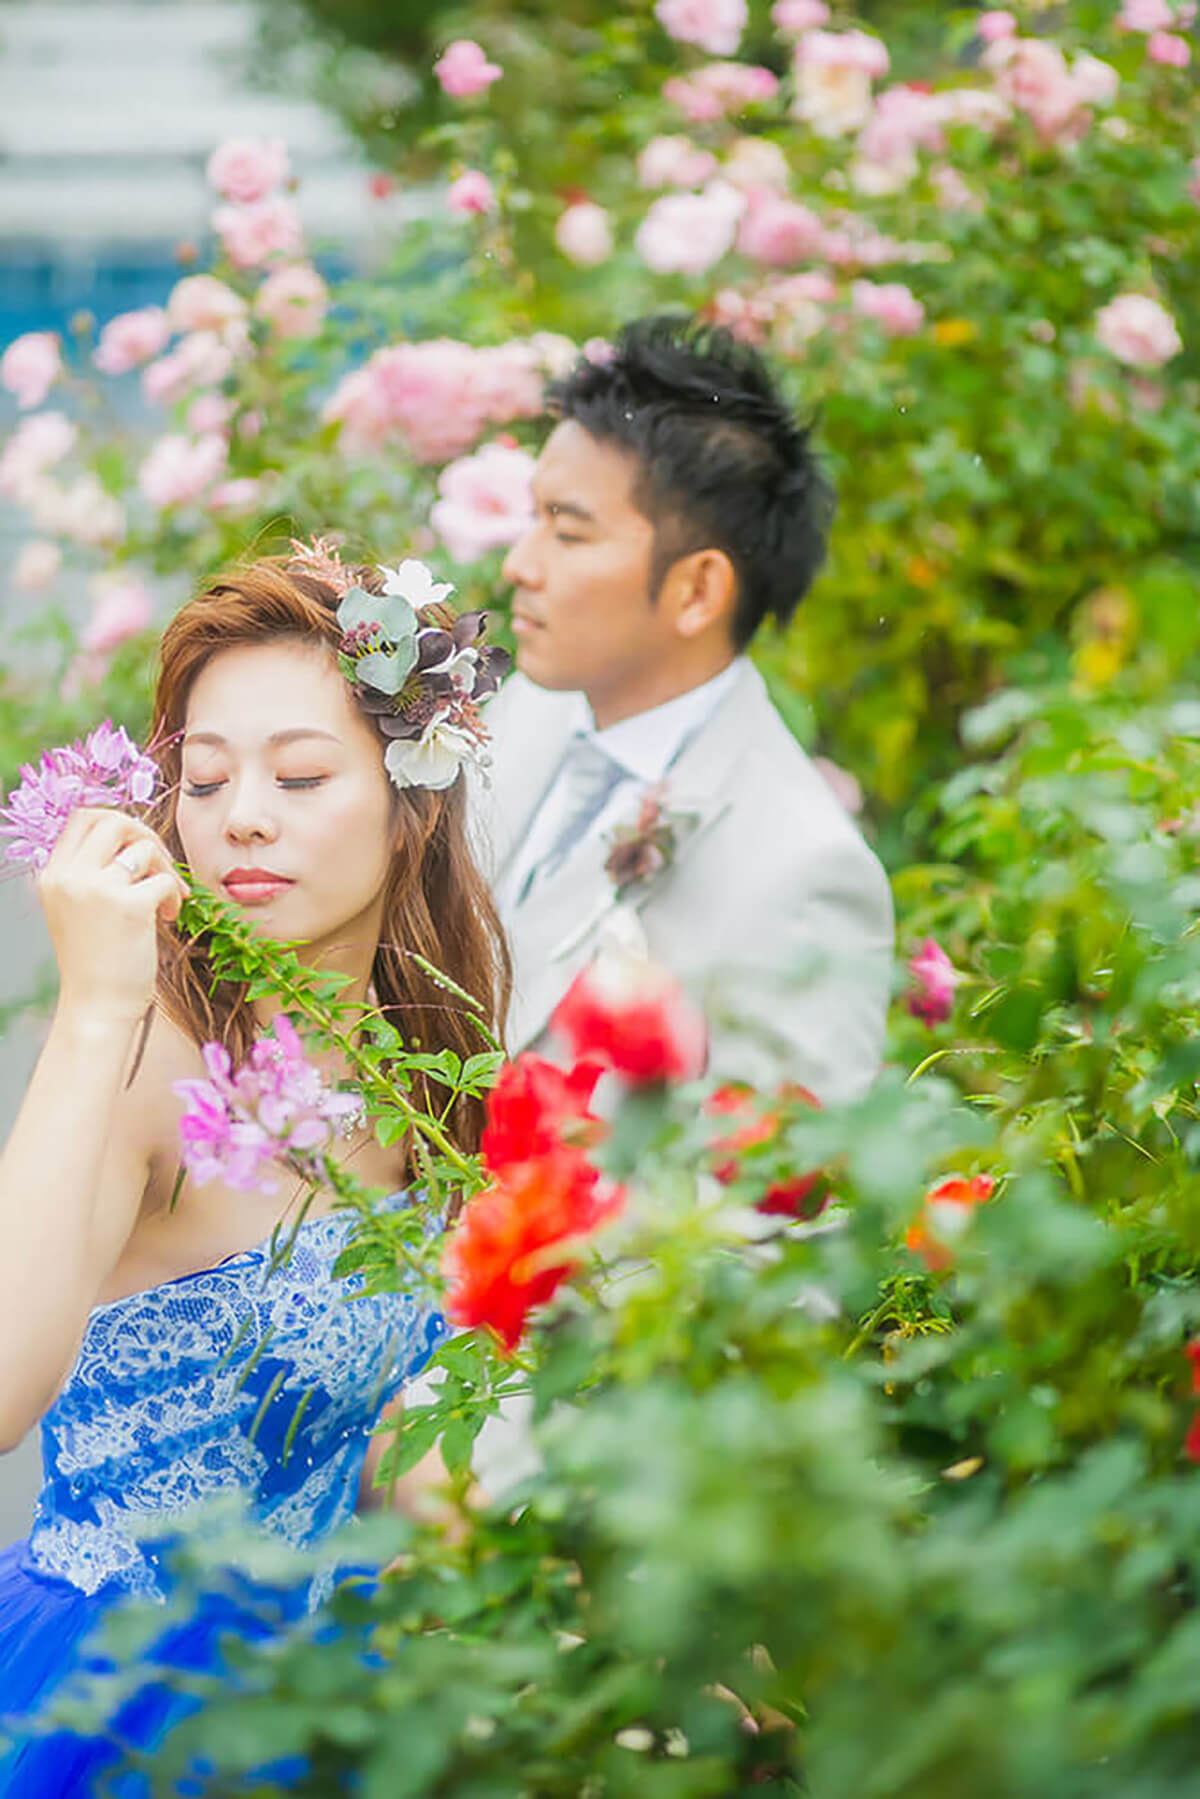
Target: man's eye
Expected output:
[567,537]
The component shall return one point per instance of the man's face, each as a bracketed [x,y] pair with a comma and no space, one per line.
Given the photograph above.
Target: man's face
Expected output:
[583,614]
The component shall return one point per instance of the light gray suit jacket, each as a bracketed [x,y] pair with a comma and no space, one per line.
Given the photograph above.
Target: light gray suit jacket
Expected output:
[774,913]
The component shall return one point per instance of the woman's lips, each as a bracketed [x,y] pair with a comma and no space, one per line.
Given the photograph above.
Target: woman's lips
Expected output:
[254,890]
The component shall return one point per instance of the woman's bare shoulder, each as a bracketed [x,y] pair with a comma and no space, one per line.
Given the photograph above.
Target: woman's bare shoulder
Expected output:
[149,1107]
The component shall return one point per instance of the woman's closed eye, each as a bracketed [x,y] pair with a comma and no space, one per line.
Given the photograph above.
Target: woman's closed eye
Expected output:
[200,790]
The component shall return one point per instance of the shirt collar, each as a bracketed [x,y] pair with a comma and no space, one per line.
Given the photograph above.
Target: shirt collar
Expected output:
[647,744]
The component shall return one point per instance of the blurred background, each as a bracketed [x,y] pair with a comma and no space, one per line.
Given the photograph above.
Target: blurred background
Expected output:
[108,114]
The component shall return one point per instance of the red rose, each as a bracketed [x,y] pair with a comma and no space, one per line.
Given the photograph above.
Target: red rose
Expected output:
[634,1017]
[1191,1443]
[944,1216]
[802,1196]
[533,1105]
[517,1240]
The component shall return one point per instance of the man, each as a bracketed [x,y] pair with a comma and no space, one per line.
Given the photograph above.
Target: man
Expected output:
[678,504]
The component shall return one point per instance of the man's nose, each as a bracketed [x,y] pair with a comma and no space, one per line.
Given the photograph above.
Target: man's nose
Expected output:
[520,566]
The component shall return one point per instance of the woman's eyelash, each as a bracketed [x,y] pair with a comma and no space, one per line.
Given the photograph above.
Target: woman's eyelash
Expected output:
[199,790]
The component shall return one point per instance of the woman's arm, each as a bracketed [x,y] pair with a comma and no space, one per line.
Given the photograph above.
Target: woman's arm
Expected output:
[74,1170]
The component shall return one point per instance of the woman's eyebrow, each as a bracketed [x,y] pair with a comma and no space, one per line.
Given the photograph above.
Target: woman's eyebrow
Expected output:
[276,737]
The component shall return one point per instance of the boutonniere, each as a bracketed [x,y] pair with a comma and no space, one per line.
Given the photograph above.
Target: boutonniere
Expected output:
[641,851]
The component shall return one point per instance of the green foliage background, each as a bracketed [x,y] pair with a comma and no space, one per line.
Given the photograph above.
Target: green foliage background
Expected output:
[941,1526]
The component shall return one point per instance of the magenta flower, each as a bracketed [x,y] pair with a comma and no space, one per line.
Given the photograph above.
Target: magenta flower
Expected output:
[931,997]
[276,1108]
[106,769]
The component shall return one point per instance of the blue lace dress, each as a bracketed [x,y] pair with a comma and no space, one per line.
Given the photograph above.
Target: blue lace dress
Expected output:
[240,1381]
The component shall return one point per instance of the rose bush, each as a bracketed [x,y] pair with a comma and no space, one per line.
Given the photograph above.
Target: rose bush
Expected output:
[878,1421]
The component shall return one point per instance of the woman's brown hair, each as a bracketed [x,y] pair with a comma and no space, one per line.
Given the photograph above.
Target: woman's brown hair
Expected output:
[437,905]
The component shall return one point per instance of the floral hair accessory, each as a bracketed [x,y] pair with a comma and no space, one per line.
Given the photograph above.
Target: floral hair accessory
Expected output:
[417,669]
[106,768]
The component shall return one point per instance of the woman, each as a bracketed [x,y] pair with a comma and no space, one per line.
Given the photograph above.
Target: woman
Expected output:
[169,1361]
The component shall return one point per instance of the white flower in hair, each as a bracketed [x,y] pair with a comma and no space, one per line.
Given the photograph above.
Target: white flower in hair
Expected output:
[414,582]
[433,759]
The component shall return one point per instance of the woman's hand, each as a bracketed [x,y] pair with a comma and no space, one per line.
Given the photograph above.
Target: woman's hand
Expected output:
[109,880]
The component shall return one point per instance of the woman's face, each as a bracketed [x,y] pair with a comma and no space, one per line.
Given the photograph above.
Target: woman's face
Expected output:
[284,806]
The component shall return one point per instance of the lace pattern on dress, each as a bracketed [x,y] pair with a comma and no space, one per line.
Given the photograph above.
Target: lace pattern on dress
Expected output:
[239,1379]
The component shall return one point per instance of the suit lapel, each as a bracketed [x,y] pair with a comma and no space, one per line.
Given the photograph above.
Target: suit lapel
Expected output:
[555,931]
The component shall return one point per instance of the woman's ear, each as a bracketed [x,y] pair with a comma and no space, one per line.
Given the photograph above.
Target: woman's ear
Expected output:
[700,592]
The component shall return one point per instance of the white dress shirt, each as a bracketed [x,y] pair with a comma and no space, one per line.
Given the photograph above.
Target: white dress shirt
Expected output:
[643,747]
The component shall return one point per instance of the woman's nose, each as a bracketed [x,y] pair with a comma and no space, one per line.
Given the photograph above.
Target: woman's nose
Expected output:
[251,813]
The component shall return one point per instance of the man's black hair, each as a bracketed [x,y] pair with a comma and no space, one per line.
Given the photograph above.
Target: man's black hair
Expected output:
[722,463]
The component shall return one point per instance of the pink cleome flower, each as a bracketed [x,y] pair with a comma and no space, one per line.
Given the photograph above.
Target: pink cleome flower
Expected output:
[277,1107]
[106,769]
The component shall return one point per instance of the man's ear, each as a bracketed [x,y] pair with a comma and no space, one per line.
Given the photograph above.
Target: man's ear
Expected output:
[700,591]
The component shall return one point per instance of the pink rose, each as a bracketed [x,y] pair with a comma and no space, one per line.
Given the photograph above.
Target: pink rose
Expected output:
[935,977]
[37,444]
[1165,47]
[904,121]
[246,169]
[584,235]
[464,69]
[359,405]
[85,512]
[209,412]
[121,607]
[1138,331]
[251,235]
[293,300]
[485,501]
[36,566]
[471,193]
[720,88]
[834,72]
[178,470]
[131,339]
[779,232]
[952,191]
[511,380]
[674,162]
[30,366]
[433,395]
[202,303]
[892,305]
[687,233]
[240,495]
[755,163]
[715,25]
[201,359]
[1033,76]
[1145,15]
[1096,82]
[556,354]
[794,17]
[994,25]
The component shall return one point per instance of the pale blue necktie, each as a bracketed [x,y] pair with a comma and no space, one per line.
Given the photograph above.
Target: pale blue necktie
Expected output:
[590,774]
